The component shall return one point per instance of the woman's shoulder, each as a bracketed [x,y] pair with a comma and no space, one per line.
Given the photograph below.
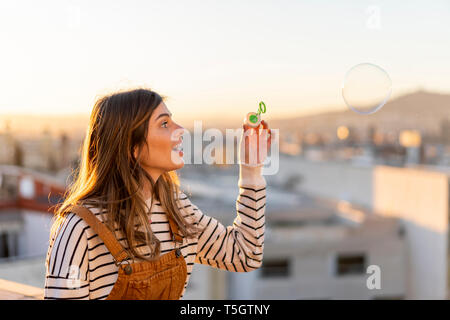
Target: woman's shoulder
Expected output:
[182,196]
[184,199]
[94,207]
[73,224]
[71,229]
[188,209]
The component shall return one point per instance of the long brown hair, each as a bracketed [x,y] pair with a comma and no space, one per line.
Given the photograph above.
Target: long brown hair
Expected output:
[110,177]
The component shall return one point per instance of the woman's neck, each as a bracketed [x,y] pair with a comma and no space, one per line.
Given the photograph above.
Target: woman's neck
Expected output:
[146,189]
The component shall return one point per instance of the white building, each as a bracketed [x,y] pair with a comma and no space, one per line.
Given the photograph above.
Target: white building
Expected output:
[314,248]
[417,195]
[327,258]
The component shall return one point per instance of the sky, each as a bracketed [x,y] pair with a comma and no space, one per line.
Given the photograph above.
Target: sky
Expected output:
[215,59]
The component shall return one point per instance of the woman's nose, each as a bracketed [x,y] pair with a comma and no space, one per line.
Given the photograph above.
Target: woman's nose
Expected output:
[181,128]
[179,132]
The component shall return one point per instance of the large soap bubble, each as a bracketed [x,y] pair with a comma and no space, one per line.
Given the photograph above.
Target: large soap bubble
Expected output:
[366,88]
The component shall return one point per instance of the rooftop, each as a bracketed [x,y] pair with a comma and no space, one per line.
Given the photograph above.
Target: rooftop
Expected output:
[10,290]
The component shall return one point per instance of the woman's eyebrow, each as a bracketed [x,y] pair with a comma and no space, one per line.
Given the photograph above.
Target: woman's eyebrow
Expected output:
[162,115]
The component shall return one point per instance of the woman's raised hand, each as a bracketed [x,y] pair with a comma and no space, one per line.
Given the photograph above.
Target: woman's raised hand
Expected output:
[254,145]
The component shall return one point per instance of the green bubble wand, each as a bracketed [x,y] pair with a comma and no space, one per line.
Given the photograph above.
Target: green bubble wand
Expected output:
[253,119]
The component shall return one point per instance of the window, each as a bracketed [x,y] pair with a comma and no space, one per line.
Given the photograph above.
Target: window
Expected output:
[8,245]
[275,268]
[4,248]
[350,264]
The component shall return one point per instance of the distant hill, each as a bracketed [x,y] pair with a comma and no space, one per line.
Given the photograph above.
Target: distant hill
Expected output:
[419,110]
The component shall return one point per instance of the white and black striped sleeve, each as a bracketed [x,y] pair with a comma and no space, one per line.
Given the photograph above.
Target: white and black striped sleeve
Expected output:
[67,262]
[239,247]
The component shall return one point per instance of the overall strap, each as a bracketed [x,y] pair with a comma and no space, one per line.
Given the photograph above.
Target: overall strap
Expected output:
[174,230]
[114,247]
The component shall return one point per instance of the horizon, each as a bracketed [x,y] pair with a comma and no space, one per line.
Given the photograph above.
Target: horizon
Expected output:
[78,127]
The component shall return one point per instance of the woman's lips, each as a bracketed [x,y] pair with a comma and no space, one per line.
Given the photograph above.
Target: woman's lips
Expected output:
[178,148]
[179,151]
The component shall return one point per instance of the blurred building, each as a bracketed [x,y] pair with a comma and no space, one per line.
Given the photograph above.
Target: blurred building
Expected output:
[10,148]
[417,195]
[326,252]
[314,248]
[26,200]
[44,152]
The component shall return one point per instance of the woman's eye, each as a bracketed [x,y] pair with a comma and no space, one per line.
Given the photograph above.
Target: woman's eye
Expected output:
[164,124]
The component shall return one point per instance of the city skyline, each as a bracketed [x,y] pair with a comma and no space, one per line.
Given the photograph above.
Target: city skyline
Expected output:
[411,106]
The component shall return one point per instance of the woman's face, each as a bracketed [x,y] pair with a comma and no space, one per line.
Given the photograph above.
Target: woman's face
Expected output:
[163,136]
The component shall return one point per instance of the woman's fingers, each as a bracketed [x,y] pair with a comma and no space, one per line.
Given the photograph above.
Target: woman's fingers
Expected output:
[263,145]
[249,145]
[257,142]
[267,132]
[246,142]
[264,124]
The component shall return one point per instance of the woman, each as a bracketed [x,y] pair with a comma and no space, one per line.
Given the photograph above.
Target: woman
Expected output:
[127,179]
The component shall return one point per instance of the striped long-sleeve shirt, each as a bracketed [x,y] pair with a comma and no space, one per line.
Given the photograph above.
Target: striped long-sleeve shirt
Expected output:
[79,266]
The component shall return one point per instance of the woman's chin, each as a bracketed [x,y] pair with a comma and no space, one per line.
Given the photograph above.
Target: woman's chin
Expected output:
[177,159]
[179,166]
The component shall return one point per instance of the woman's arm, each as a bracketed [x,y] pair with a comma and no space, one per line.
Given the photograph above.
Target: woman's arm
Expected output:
[67,262]
[239,247]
